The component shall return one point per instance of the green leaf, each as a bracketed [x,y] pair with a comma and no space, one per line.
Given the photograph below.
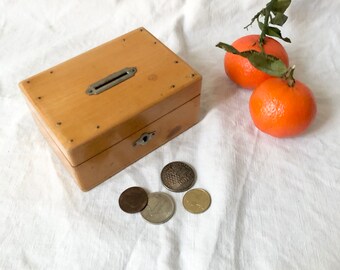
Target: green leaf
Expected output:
[273,31]
[227,48]
[279,19]
[278,5]
[264,62]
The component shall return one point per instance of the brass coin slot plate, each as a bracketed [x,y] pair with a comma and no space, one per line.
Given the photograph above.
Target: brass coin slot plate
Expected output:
[111,81]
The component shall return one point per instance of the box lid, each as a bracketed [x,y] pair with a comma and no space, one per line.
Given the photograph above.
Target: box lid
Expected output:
[83,124]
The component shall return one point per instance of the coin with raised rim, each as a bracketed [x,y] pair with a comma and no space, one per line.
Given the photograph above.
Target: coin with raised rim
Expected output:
[178,176]
[196,200]
[160,208]
[133,200]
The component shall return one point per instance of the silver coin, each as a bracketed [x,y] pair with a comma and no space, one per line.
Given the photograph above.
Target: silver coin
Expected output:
[178,176]
[160,208]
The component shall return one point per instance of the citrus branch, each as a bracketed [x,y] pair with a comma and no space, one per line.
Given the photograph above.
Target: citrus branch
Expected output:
[273,14]
[264,29]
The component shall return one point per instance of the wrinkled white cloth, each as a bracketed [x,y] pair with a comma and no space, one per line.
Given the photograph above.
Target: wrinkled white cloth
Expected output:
[275,202]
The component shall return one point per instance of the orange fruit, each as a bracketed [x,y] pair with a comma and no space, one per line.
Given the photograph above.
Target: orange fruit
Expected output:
[281,110]
[241,71]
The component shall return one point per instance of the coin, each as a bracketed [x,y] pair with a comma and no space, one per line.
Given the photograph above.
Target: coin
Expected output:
[178,176]
[133,200]
[160,208]
[196,200]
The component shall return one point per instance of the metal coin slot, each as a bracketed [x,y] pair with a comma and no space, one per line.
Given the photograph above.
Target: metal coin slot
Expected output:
[111,80]
[144,138]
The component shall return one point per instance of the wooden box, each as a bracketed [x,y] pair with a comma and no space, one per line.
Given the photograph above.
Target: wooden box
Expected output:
[99,124]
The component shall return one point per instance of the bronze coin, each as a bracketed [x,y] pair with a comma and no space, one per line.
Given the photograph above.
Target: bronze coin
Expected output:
[178,176]
[133,200]
[196,200]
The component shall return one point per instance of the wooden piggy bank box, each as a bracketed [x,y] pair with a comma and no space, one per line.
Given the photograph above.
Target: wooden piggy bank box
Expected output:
[112,105]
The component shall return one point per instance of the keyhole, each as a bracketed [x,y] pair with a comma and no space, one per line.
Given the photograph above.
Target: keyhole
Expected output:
[145,138]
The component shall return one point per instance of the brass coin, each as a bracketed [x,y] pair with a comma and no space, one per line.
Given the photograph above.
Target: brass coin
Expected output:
[178,176]
[196,200]
[133,200]
[160,208]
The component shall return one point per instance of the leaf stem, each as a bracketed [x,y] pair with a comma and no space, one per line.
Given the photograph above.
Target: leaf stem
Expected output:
[265,27]
[253,19]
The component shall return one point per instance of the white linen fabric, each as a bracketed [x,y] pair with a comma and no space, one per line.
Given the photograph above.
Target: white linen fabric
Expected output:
[275,202]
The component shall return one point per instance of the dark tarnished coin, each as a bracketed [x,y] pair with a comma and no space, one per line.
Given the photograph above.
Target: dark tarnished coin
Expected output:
[178,176]
[133,200]
[160,208]
[196,200]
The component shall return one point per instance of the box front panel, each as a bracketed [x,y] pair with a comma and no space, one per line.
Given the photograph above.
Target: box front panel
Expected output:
[109,162]
[104,165]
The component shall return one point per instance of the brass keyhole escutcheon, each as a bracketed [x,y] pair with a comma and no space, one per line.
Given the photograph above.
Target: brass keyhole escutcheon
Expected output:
[144,138]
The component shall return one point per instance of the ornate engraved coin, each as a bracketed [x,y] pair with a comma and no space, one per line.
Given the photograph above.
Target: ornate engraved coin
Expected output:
[196,200]
[160,208]
[133,200]
[178,176]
